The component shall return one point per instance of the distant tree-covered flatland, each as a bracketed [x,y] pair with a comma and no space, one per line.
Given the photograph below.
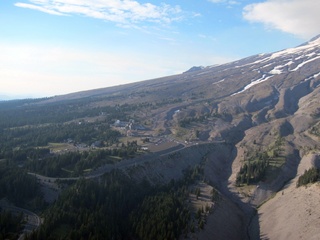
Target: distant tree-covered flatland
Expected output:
[110,207]
[74,164]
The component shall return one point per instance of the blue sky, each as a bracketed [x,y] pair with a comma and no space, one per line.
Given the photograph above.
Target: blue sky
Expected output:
[53,47]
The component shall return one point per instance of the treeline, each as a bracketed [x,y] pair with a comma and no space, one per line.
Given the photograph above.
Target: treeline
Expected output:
[309,176]
[315,130]
[252,172]
[32,136]
[26,124]
[73,164]
[145,105]
[256,166]
[30,112]
[93,210]
[168,101]
[115,207]
[20,188]
[22,144]
[10,225]
[26,112]
[22,155]
[163,216]
[187,121]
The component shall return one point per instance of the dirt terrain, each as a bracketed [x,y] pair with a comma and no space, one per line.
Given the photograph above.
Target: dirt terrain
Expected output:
[293,213]
[223,117]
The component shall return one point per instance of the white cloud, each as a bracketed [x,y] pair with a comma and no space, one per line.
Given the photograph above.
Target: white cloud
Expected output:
[39,8]
[298,17]
[119,11]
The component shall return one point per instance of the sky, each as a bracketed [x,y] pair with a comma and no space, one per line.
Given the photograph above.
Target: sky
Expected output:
[54,47]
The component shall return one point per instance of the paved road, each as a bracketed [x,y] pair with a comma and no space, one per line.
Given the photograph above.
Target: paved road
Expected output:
[119,165]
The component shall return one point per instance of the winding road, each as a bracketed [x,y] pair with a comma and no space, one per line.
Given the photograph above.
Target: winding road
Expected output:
[119,165]
[32,220]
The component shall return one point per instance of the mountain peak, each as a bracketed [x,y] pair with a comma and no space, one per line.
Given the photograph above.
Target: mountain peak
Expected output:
[315,41]
[194,68]
[316,38]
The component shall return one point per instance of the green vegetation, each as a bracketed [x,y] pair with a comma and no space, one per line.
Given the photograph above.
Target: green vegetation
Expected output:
[10,225]
[58,139]
[115,207]
[214,195]
[187,121]
[309,176]
[162,216]
[201,118]
[29,131]
[262,166]
[94,210]
[315,130]
[32,136]
[20,188]
[180,132]
[168,101]
[73,164]
[252,172]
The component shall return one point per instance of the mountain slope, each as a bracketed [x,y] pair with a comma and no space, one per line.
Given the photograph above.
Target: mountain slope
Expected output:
[250,103]
[264,107]
[257,99]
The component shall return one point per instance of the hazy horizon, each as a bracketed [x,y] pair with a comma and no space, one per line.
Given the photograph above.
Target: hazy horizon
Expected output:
[53,47]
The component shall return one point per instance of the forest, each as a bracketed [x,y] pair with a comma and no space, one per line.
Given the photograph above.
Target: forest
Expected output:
[10,225]
[27,129]
[20,188]
[261,164]
[115,207]
[74,164]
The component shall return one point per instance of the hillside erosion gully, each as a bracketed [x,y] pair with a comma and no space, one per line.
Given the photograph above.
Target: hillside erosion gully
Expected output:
[231,217]
[234,217]
[218,169]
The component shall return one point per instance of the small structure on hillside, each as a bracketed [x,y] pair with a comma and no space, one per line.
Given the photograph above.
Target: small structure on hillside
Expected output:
[131,125]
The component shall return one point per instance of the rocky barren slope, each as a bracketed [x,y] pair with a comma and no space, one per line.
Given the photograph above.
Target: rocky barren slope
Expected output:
[267,103]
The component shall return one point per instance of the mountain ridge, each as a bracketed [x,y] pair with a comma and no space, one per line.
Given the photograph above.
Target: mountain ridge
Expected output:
[255,121]
[262,98]
[201,71]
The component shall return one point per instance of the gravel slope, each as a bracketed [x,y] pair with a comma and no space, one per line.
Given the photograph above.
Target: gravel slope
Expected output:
[293,213]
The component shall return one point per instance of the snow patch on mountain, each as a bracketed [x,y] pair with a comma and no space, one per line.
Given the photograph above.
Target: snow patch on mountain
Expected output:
[304,63]
[280,68]
[218,82]
[277,70]
[253,63]
[316,75]
[254,82]
[310,46]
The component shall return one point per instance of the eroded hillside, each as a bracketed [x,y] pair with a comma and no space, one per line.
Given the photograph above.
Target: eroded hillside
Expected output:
[253,125]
